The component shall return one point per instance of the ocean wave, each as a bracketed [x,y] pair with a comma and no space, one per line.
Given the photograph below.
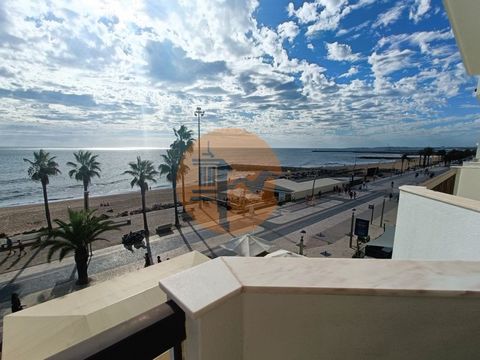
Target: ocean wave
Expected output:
[74,186]
[12,197]
[14,181]
[111,182]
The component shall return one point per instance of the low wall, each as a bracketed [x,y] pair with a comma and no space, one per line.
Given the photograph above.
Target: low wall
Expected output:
[436,226]
[300,308]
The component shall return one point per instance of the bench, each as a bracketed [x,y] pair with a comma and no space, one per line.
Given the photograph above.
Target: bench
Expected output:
[123,222]
[163,229]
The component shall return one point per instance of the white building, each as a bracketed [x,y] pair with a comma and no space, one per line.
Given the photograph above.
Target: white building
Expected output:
[288,190]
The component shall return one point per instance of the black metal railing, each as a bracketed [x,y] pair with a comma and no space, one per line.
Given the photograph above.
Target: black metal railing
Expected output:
[153,340]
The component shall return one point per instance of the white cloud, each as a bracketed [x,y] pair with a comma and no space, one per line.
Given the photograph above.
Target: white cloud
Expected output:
[386,63]
[422,39]
[362,3]
[352,71]
[332,11]
[324,14]
[418,10]
[288,30]
[305,13]
[140,67]
[390,16]
[340,52]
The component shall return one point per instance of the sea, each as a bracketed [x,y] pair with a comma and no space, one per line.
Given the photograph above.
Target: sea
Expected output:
[17,189]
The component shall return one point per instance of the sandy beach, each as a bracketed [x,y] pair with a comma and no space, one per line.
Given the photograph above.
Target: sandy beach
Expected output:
[22,218]
[18,219]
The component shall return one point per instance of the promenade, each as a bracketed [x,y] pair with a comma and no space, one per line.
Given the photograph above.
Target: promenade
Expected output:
[326,223]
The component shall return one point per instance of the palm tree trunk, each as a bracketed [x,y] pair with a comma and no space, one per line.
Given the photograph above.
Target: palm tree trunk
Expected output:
[45,201]
[85,207]
[85,195]
[81,261]
[183,192]
[174,186]
[145,224]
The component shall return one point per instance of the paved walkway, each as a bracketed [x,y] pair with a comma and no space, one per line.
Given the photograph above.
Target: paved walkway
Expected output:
[327,223]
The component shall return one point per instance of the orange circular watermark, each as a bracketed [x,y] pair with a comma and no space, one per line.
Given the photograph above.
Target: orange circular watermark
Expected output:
[229,188]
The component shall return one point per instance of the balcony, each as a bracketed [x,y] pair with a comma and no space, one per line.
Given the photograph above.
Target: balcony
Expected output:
[278,308]
[91,322]
[297,308]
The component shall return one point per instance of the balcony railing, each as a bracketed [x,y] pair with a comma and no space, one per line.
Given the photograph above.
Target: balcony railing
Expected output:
[152,341]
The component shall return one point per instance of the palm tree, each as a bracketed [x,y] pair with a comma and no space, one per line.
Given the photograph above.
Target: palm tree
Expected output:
[85,168]
[428,152]
[143,171]
[421,154]
[170,168]
[75,235]
[40,169]
[185,143]
[404,158]
[443,156]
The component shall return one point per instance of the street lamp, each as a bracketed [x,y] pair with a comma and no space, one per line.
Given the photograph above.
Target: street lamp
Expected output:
[313,189]
[301,245]
[199,113]
[371,207]
[383,210]
[351,227]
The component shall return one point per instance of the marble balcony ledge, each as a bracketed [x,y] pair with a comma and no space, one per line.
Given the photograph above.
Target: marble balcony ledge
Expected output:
[204,287]
[466,203]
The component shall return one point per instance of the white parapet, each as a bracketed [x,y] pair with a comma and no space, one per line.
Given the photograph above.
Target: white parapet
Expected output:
[297,308]
[54,327]
[467,180]
[436,226]
[463,16]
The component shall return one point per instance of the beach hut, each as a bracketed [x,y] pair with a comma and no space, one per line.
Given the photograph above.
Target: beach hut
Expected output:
[247,245]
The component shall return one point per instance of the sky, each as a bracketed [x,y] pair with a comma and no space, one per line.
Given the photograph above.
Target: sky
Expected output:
[324,73]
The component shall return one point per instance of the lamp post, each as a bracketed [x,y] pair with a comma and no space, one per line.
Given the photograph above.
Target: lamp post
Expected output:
[372,207]
[199,113]
[313,189]
[351,227]
[301,245]
[383,209]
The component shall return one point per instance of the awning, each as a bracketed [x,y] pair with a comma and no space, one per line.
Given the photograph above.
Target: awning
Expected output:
[381,247]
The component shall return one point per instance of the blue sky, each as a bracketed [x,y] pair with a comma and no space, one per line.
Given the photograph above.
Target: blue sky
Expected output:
[324,73]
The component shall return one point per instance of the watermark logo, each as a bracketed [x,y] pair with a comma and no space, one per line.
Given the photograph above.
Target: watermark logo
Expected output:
[228,181]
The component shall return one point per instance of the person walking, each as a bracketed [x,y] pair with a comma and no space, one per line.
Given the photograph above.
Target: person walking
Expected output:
[9,246]
[147,260]
[21,248]
[16,304]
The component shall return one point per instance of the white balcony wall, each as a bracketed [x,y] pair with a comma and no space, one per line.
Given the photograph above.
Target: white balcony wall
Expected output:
[68,327]
[296,326]
[436,226]
[305,327]
[299,308]
[467,181]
